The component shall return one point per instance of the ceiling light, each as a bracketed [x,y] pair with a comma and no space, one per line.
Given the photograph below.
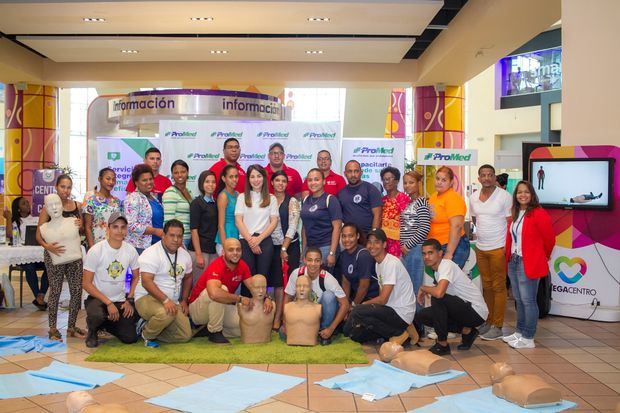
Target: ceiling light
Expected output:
[202,19]
[437,26]
[93,19]
[318,19]
[129,51]
[314,52]
[219,51]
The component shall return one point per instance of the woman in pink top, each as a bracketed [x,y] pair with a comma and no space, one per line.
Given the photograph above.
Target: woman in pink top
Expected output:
[394,202]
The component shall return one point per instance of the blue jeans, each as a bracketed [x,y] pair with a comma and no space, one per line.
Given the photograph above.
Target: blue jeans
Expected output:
[415,267]
[524,291]
[33,280]
[329,308]
[461,253]
[324,254]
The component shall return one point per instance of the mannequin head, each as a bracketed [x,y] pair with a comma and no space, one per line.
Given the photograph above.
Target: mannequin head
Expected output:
[259,287]
[500,370]
[389,351]
[78,400]
[302,288]
[53,206]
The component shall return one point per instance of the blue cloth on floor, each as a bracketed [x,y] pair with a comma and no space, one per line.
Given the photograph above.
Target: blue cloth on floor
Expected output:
[382,380]
[56,378]
[10,345]
[483,401]
[232,391]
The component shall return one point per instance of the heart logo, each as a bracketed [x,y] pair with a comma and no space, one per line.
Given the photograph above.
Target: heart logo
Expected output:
[569,263]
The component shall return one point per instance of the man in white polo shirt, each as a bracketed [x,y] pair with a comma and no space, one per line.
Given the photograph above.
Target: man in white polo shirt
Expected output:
[389,315]
[105,267]
[456,303]
[162,296]
[490,210]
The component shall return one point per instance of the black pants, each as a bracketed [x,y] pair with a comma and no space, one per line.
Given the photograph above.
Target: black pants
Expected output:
[448,314]
[294,256]
[259,264]
[369,322]
[97,318]
[33,279]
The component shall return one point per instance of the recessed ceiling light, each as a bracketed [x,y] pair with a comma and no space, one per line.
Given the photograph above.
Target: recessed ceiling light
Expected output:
[318,19]
[314,52]
[202,19]
[93,19]
[219,51]
[129,51]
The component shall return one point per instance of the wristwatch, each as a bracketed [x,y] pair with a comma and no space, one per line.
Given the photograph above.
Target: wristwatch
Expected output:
[332,253]
[283,249]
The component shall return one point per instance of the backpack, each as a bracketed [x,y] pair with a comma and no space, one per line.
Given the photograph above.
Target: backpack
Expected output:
[322,274]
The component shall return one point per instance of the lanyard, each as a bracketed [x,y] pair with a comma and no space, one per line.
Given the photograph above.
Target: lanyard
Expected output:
[173,267]
[515,228]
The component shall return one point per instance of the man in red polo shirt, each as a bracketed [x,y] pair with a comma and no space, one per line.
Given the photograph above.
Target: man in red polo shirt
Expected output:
[276,163]
[152,158]
[333,182]
[232,151]
[213,299]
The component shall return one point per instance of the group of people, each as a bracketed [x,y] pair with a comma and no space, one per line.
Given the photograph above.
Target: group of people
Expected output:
[192,257]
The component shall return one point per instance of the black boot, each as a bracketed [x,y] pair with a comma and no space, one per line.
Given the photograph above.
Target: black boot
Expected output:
[91,339]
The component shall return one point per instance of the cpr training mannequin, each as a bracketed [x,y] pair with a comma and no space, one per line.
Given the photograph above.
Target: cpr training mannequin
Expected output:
[62,231]
[499,371]
[302,316]
[421,362]
[525,390]
[254,323]
[82,402]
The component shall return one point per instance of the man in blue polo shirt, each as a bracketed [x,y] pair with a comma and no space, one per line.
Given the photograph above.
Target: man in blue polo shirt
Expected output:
[360,200]
[356,268]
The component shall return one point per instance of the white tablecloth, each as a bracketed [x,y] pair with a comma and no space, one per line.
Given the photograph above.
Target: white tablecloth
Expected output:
[20,255]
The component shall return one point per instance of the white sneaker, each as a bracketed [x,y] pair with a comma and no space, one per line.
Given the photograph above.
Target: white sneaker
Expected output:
[433,336]
[514,336]
[522,342]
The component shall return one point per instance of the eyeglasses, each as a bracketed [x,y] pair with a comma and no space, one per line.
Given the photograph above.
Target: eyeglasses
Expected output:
[276,153]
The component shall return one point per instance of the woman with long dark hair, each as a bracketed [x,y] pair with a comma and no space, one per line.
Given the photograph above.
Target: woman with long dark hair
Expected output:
[176,198]
[203,224]
[226,204]
[529,243]
[98,206]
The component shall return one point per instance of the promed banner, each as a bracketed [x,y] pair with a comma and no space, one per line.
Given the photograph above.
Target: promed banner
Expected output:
[374,155]
[200,143]
[121,154]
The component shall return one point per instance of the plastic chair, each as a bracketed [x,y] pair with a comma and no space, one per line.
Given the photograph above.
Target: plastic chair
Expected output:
[21,280]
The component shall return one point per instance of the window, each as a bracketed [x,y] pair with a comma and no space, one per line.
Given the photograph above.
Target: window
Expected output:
[316,104]
[80,100]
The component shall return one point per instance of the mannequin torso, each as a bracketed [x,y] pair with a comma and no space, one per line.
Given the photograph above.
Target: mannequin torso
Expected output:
[421,362]
[254,323]
[302,317]
[62,231]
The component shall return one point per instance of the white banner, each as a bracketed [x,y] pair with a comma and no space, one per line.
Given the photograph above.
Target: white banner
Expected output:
[200,143]
[374,155]
[448,157]
[121,154]
[583,276]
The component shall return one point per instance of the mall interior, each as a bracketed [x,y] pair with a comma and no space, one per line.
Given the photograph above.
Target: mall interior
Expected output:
[503,79]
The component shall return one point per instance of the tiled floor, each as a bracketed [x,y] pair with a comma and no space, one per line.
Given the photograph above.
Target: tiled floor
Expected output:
[581,358]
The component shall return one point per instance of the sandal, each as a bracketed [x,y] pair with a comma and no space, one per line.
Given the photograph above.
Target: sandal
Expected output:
[54,334]
[76,332]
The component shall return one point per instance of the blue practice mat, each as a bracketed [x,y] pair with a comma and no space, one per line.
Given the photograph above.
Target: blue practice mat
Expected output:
[382,380]
[228,392]
[483,401]
[56,378]
[10,345]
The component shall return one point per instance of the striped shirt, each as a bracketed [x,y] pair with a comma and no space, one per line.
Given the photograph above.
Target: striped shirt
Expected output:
[415,222]
[176,206]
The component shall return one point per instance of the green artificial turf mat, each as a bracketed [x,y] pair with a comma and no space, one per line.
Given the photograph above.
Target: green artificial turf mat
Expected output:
[201,350]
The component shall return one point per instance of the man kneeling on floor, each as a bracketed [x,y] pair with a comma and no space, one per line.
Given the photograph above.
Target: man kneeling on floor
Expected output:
[105,267]
[389,315]
[212,304]
[457,304]
[161,298]
[325,291]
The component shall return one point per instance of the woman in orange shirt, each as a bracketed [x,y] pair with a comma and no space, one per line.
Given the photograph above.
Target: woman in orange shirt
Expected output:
[448,211]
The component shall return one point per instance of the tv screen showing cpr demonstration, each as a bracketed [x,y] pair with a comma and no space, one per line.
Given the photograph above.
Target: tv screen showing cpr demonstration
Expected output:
[573,183]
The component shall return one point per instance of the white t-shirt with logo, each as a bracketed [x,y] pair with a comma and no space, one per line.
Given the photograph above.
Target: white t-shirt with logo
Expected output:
[461,286]
[491,218]
[391,271]
[157,261]
[331,284]
[110,266]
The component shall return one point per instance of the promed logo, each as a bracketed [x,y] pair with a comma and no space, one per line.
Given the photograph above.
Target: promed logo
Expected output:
[436,156]
[272,135]
[221,134]
[320,135]
[298,157]
[196,156]
[114,156]
[380,150]
[253,156]
[180,134]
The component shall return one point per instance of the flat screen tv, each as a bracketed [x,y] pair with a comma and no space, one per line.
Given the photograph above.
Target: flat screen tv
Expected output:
[573,183]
